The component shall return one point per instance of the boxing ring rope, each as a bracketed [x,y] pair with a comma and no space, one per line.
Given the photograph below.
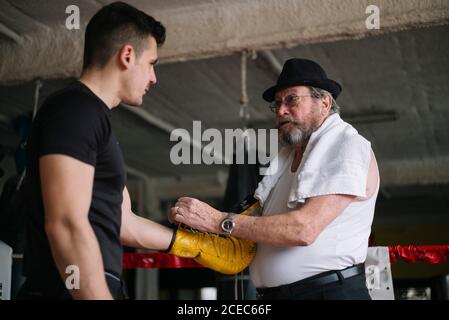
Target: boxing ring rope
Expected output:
[437,254]
[427,254]
[157,260]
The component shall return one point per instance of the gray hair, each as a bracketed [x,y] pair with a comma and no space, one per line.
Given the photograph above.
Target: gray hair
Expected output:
[320,93]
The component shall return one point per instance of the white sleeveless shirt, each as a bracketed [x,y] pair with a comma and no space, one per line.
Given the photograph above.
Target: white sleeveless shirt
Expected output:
[343,243]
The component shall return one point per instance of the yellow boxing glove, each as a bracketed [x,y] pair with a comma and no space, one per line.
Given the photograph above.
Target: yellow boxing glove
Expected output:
[228,255]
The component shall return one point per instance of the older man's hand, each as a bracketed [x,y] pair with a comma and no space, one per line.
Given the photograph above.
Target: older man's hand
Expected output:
[171,215]
[196,214]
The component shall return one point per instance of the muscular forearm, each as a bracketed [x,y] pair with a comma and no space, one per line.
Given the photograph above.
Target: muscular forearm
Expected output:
[76,244]
[143,233]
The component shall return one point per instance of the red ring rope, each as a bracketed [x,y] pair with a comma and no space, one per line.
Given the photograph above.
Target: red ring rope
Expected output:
[411,254]
[426,254]
[157,260]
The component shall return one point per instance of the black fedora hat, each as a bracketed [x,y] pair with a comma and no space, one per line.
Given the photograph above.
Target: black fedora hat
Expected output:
[297,72]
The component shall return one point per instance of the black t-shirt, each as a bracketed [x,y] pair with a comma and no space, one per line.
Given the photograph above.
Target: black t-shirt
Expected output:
[75,122]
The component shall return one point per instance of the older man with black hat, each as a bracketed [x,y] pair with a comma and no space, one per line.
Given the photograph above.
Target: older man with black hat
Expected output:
[316,209]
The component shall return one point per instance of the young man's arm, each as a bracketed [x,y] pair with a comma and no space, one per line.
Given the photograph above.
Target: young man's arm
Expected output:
[138,232]
[225,255]
[67,191]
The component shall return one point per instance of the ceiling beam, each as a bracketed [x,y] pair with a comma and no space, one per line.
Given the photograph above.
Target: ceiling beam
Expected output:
[409,172]
[210,28]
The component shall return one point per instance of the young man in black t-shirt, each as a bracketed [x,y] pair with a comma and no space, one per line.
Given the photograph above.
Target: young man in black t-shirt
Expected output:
[80,208]
[81,212]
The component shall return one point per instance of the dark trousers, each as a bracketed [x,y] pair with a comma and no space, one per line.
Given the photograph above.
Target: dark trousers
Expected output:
[331,285]
[54,289]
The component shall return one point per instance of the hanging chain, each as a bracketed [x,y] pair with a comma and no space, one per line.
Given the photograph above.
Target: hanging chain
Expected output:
[37,90]
[244,112]
[244,100]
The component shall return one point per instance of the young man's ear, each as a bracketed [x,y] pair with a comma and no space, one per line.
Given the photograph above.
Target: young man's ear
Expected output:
[126,56]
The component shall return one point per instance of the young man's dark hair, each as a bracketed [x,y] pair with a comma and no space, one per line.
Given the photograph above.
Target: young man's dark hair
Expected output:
[115,25]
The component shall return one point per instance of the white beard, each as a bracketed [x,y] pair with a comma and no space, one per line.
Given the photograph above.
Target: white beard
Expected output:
[294,137]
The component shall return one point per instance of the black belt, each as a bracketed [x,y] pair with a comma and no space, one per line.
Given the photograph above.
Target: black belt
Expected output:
[318,280]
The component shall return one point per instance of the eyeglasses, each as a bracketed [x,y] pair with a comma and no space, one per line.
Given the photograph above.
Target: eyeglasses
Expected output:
[290,101]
